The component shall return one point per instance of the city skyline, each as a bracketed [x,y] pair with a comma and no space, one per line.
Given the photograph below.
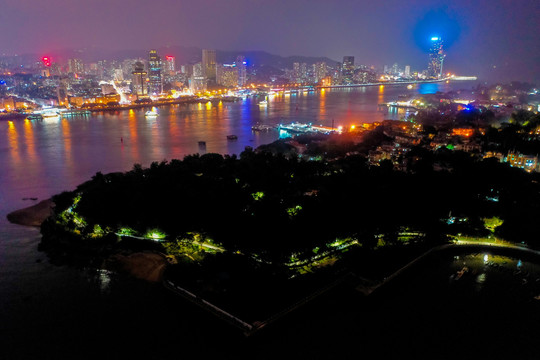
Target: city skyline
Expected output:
[499,36]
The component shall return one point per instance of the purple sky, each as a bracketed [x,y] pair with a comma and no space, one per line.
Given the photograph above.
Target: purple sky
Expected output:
[494,39]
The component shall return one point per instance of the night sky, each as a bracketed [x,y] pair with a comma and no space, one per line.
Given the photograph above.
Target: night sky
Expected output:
[497,40]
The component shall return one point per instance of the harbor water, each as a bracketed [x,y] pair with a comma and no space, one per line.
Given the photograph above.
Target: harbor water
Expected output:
[55,311]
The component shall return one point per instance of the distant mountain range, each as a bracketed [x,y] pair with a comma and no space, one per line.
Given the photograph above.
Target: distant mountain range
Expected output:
[188,55]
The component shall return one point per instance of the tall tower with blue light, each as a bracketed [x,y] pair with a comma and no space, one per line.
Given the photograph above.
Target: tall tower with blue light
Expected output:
[154,73]
[436,58]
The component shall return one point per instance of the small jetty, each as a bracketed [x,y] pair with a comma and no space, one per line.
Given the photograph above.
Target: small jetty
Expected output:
[232,137]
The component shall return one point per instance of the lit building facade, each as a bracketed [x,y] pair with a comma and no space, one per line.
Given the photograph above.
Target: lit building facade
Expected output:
[139,80]
[347,70]
[170,66]
[197,82]
[227,75]
[241,66]
[155,85]
[528,163]
[436,58]
[320,71]
[75,66]
[209,65]
[407,72]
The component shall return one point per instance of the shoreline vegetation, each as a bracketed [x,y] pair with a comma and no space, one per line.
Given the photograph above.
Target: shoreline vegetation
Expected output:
[147,266]
[254,236]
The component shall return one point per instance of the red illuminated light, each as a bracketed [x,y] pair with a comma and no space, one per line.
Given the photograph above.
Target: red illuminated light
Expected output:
[46,61]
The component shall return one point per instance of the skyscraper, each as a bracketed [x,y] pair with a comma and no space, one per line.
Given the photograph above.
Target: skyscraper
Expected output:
[241,65]
[170,66]
[155,86]
[197,82]
[296,74]
[436,58]
[319,72]
[209,65]
[227,75]
[395,69]
[407,72]
[139,80]
[347,71]
[75,66]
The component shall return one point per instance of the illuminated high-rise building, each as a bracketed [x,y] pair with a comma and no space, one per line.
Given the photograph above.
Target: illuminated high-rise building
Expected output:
[436,58]
[296,73]
[139,80]
[347,70]
[75,66]
[227,75]
[155,85]
[407,72]
[209,65]
[197,82]
[241,65]
[170,66]
[300,73]
[319,72]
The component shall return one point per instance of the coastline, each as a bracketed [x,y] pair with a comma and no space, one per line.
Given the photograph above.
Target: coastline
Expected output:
[147,266]
[32,215]
[195,100]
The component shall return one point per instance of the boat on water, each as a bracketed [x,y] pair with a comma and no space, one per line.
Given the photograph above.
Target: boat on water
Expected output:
[151,113]
[324,129]
[35,117]
[263,103]
[261,127]
[301,128]
[232,137]
[76,112]
[50,114]
[295,127]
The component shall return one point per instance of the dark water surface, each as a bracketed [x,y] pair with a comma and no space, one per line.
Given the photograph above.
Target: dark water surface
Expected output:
[49,311]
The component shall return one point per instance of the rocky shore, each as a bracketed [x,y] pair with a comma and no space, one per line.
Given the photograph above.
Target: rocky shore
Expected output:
[33,215]
[144,265]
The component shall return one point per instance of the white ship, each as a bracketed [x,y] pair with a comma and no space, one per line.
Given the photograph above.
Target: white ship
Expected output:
[152,113]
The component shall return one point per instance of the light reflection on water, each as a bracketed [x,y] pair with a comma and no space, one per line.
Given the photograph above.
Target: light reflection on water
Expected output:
[41,158]
[484,272]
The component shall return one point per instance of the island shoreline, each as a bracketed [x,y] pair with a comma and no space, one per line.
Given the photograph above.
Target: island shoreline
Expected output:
[33,215]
